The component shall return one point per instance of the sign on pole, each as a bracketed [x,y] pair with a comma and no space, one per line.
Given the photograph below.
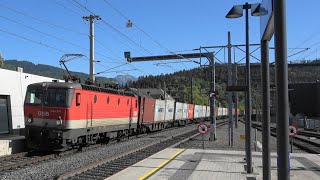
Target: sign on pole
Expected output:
[203,129]
[293,130]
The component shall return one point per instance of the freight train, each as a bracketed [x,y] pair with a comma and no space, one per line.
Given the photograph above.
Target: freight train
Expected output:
[62,115]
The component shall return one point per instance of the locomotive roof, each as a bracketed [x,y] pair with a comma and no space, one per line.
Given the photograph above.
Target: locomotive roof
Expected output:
[60,85]
[67,85]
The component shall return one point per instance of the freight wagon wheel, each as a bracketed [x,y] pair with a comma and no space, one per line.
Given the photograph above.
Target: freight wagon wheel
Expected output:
[145,130]
[119,135]
[80,143]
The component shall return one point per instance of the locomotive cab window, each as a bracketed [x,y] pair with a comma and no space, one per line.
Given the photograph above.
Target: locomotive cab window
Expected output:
[56,97]
[34,96]
[48,97]
[78,99]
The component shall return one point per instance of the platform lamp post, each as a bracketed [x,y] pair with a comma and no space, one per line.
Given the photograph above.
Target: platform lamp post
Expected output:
[236,12]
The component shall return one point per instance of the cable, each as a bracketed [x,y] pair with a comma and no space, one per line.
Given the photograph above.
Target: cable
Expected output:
[308,39]
[68,8]
[43,21]
[160,45]
[60,39]
[114,38]
[113,28]
[36,42]
[110,25]
[112,68]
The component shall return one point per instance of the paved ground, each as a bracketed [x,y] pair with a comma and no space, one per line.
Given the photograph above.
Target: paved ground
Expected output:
[198,164]
[222,141]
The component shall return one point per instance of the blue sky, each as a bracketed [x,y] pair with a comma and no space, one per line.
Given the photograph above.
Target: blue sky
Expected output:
[42,31]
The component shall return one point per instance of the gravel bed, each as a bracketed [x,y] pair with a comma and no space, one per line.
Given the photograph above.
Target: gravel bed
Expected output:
[222,141]
[51,169]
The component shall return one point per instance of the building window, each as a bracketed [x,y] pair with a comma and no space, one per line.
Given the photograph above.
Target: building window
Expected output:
[128,102]
[118,101]
[108,100]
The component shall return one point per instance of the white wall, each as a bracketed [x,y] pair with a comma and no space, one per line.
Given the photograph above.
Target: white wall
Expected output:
[15,84]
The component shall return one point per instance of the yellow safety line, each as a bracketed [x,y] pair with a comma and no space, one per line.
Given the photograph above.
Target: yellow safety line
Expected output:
[148,174]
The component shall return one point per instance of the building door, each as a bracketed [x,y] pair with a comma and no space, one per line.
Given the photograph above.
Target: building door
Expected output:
[4,115]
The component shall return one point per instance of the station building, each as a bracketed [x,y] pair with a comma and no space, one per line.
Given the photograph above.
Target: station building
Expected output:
[13,86]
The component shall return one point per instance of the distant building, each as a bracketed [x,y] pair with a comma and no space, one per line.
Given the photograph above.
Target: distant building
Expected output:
[13,85]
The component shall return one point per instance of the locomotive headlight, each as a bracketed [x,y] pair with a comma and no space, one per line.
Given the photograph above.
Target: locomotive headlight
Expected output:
[58,122]
[29,120]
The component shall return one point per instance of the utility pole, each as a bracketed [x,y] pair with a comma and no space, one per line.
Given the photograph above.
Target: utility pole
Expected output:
[213,123]
[230,93]
[235,96]
[91,18]
[165,90]
[280,42]
[265,84]
[191,91]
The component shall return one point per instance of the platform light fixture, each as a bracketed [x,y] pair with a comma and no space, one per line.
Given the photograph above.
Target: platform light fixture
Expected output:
[236,12]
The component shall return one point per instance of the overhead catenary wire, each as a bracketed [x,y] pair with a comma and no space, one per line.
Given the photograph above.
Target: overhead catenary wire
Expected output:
[104,21]
[115,29]
[44,33]
[99,63]
[112,68]
[67,8]
[165,49]
[109,49]
[114,38]
[47,34]
[43,21]
[33,41]
[306,40]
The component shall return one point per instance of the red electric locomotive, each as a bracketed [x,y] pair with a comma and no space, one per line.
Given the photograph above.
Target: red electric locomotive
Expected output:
[61,115]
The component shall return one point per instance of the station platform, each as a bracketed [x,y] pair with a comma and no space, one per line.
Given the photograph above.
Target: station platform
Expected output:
[198,164]
[11,144]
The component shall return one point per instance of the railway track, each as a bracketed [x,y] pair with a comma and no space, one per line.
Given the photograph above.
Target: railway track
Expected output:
[301,140]
[107,167]
[21,160]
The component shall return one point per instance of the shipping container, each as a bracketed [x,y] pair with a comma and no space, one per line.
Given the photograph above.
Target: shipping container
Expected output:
[159,110]
[220,113]
[185,111]
[169,110]
[178,111]
[208,111]
[196,111]
[148,109]
[190,111]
